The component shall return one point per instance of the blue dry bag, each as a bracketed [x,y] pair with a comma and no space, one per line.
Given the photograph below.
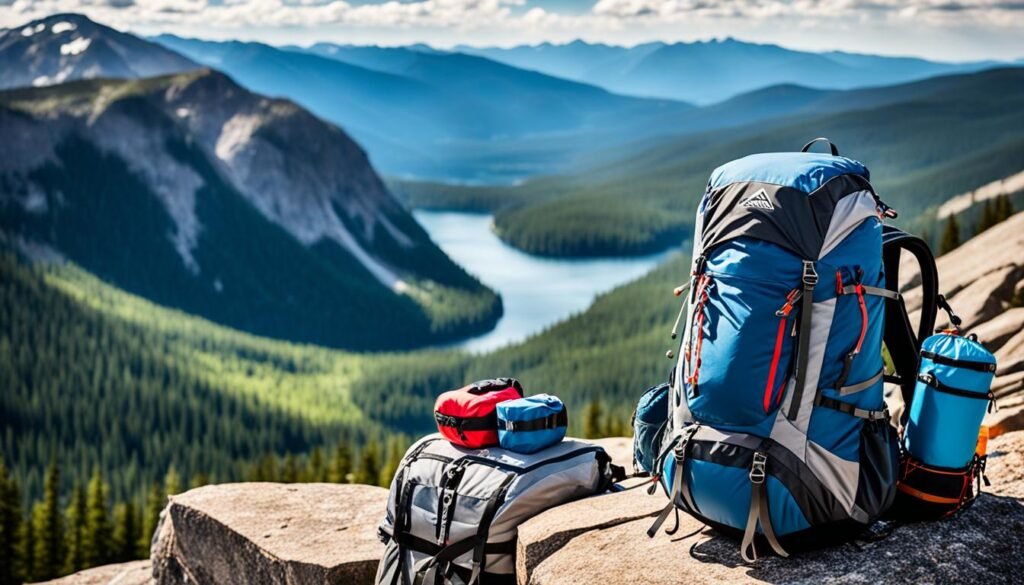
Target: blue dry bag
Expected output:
[527,425]
[950,399]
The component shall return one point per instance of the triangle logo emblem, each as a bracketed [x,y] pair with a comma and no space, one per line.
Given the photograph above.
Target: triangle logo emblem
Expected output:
[759,200]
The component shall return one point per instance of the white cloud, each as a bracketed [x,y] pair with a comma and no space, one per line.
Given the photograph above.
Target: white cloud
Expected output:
[957,29]
[996,12]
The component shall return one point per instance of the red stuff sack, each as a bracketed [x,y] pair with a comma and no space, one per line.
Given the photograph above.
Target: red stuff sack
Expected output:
[467,416]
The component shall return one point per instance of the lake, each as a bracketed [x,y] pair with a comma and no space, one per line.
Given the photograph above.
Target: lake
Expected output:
[537,292]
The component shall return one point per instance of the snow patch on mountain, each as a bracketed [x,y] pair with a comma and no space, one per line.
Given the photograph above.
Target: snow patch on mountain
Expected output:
[75,47]
[63,26]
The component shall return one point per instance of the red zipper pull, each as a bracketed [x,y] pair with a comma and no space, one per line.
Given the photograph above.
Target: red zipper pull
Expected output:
[791,299]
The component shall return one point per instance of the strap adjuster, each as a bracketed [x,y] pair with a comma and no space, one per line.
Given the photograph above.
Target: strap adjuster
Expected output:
[810,275]
[757,468]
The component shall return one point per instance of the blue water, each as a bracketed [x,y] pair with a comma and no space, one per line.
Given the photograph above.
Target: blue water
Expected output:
[537,292]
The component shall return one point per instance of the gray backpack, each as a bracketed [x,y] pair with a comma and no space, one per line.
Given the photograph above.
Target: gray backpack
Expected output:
[453,512]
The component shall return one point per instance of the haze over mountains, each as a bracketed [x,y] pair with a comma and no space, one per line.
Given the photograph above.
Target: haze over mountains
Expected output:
[438,114]
[704,72]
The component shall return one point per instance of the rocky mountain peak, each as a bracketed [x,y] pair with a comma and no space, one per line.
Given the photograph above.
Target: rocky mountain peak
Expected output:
[66,47]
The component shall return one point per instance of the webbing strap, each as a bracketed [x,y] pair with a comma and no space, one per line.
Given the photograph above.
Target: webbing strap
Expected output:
[871,290]
[747,548]
[966,364]
[855,388]
[810,280]
[680,444]
[766,524]
[852,410]
[483,531]
[467,423]
[931,380]
[759,512]
[551,421]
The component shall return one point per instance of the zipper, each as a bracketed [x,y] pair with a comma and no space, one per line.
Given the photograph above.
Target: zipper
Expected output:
[780,337]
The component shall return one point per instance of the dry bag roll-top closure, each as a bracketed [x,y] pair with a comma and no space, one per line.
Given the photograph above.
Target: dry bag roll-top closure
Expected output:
[778,432]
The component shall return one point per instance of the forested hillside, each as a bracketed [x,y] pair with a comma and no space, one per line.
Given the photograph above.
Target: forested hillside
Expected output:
[961,133]
[95,377]
[197,194]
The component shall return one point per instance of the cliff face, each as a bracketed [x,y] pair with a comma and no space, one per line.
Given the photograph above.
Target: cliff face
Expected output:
[249,211]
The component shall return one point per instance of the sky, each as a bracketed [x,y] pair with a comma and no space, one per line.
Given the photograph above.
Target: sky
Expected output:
[950,30]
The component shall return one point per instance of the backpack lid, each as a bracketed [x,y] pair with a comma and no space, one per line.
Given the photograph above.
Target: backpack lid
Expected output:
[803,171]
[803,202]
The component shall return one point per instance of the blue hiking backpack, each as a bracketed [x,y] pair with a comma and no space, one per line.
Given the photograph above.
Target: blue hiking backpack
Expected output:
[778,432]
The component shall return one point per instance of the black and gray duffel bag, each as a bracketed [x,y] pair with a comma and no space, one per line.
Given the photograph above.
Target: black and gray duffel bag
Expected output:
[453,513]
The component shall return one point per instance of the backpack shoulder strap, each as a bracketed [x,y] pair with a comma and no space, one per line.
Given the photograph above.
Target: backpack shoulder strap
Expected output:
[903,343]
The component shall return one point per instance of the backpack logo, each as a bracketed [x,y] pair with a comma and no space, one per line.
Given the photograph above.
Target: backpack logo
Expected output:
[759,200]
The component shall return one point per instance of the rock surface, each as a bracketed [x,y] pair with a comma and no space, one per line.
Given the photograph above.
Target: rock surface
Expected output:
[984,544]
[133,573]
[269,533]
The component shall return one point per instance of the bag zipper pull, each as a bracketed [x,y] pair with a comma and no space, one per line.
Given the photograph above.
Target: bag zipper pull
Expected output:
[791,299]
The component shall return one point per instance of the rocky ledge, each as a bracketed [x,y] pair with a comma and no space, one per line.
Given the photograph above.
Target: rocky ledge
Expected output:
[324,533]
[604,540]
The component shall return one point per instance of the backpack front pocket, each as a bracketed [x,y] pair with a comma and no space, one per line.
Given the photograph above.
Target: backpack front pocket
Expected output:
[740,349]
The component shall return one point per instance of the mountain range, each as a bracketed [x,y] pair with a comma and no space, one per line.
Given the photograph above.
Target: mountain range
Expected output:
[198,194]
[66,47]
[704,72]
[924,141]
[437,114]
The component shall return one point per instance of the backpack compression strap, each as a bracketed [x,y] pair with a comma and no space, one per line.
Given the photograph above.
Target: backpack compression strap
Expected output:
[903,343]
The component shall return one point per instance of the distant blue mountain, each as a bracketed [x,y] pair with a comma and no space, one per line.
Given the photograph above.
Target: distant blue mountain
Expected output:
[709,71]
[431,113]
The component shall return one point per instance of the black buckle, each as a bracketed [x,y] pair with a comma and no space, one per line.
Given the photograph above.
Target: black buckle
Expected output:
[757,468]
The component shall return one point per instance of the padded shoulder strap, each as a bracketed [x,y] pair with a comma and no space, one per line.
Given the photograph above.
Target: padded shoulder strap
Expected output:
[903,343]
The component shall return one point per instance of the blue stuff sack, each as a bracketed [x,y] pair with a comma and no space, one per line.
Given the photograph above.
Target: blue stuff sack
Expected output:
[527,425]
[952,393]
[649,421]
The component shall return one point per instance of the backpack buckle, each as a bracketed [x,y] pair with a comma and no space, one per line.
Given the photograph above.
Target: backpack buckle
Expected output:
[757,468]
[810,275]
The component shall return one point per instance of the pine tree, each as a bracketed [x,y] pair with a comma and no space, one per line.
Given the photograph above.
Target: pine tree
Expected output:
[150,518]
[48,529]
[988,217]
[391,463]
[341,464]
[97,536]
[199,480]
[10,527]
[1003,208]
[592,420]
[950,236]
[75,516]
[126,533]
[315,469]
[172,482]
[26,554]
[290,469]
[368,471]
